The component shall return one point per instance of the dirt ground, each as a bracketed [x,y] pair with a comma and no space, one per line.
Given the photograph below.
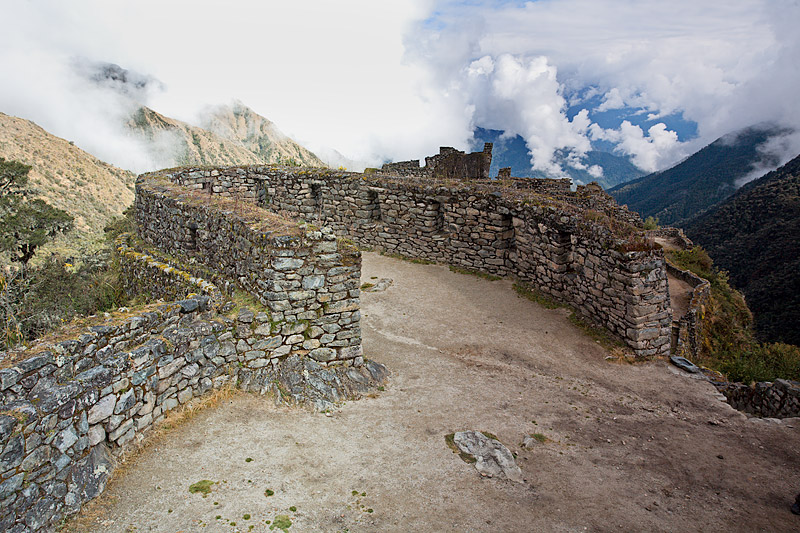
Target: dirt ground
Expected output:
[629,447]
[679,296]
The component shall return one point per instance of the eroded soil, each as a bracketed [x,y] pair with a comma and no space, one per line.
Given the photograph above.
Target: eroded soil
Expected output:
[629,447]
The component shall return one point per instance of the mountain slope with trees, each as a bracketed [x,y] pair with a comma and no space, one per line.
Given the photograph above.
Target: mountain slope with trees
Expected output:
[702,180]
[754,236]
[66,177]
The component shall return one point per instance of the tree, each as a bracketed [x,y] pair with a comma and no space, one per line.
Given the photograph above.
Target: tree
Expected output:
[25,225]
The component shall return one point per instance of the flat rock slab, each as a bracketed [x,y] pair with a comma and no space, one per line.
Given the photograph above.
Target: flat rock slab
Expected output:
[492,459]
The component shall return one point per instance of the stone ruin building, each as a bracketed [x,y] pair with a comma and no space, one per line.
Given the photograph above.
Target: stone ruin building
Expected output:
[271,303]
[449,164]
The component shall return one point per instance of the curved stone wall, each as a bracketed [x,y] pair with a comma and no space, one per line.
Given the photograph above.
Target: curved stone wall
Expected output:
[578,247]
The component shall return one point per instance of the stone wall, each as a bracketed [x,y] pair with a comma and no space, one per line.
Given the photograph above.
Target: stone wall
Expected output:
[579,248]
[66,410]
[307,278]
[780,399]
[449,163]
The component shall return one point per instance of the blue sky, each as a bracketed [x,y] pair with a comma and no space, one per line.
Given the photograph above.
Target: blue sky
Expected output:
[651,80]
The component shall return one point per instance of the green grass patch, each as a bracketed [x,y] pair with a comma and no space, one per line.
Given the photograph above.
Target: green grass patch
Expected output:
[281,521]
[539,437]
[535,296]
[365,286]
[467,458]
[415,260]
[484,275]
[269,492]
[203,486]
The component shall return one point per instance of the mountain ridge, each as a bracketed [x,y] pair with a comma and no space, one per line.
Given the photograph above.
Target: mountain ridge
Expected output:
[753,235]
[698,182]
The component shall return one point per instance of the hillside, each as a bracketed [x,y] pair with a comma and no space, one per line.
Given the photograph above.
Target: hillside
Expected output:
[702,180]
[754,235]
[512,152]
[67,177]
[240,124]
[230,136]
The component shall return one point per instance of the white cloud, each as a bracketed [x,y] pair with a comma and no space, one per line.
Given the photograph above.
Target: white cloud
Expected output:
[649,152]
[611,100]
[725,65]
[395,80]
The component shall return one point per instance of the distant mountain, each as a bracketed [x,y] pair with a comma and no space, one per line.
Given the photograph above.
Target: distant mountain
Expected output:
[65,176]
[755,236]
[702,180]
[234,135]
[239,123]
[513,152]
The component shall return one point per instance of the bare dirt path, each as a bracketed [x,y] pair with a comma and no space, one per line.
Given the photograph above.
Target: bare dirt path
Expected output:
[679,296]
[629,447]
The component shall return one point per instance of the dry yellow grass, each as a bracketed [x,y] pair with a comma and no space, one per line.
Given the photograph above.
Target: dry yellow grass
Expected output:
[66,177]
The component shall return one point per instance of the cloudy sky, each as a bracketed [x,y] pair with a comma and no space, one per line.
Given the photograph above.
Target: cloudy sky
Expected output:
[654,80]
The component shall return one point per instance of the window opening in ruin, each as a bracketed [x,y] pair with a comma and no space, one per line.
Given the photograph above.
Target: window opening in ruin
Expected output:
[374,206]
[438,219]
[316,196]
[264,198]
[192,244]
[565,256]
[506,238]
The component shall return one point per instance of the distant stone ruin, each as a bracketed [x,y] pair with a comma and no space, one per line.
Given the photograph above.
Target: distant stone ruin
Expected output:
[449,163]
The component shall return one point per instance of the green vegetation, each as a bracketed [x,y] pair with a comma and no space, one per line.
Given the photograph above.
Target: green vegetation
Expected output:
[601,335]
[753,236]
[203,486]
[535,296]
[281,521]
[540,437]
[450,440]
[269,492]
[365,286]
[729,344]
[484,275]
[415,260]
[25,225]
[651,223]
[37,298]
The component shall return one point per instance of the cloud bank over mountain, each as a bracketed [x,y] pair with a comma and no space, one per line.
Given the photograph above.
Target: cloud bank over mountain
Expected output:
[650,79]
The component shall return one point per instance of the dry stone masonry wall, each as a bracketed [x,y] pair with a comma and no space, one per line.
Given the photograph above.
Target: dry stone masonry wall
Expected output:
[566,245]
[67,408]
[307,278]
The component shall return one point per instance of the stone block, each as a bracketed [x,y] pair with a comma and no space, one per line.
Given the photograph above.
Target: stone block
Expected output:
[102,409]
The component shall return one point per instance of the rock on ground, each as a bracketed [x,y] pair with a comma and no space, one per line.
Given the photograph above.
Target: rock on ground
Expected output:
[492,458]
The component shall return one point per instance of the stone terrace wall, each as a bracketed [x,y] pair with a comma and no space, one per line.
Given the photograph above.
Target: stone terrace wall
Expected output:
[550,245]
[143,274]
[309,281]
[64,412]
[780,399]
